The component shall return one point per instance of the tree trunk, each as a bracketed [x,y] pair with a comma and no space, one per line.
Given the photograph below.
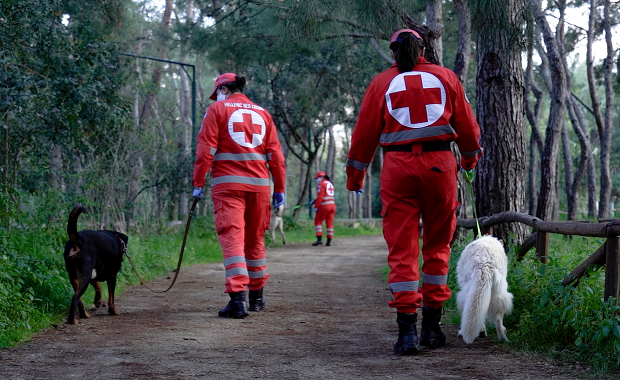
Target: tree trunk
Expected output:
[463,55]
[434,20]
[549,159]
[330,165]
[603,208]
[56,180]
[500,110]
[533,116]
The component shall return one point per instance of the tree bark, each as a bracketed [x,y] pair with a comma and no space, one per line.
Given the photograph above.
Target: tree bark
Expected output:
[536,143]
[500,110]
[605,194]
[434,20]
[463,55]
[549,164]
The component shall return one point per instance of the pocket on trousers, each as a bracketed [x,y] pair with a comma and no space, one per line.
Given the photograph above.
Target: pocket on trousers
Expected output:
[267,216]
[442,162]
[220,217]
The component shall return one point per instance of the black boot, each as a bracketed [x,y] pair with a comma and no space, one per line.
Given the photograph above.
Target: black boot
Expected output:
[431,335]
[236,308]
[257,303]
[319,241]
[407,343]
[329,242]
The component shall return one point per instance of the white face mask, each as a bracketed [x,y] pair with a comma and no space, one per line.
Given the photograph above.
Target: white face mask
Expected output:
[221,96]
[318,180]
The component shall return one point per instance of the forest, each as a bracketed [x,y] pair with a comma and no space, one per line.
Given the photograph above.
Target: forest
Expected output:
[101,102]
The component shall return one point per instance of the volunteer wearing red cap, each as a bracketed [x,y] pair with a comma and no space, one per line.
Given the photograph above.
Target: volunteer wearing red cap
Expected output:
[325,208]
[239,143]
[415,109]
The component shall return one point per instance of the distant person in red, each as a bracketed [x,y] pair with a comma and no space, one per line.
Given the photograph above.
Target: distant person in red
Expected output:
[239,143]
[414,110]
[324,208]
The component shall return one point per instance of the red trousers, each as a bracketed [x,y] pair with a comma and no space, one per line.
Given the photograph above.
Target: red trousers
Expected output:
[415,184]
[241,218]
[325,213]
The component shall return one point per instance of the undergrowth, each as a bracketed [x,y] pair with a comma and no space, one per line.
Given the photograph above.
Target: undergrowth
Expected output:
[571,323]
[34,287]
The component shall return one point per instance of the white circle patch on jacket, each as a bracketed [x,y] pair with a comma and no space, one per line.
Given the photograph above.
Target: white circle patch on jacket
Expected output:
[329,189]
[247,128]
[416,99]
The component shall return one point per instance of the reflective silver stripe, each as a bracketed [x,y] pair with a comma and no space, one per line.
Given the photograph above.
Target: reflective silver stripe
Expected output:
[413,134]
[357,165]
[330,230]
[234,260]
[328,198]
[269,156]
[239,157]
[257,274]
[435,279]
[405,286]
[472,154]
[256,263]
[212,150]
[236,271]
[328,203]
[240,179]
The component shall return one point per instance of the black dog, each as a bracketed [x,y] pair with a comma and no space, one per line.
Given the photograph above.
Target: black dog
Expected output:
[90,257]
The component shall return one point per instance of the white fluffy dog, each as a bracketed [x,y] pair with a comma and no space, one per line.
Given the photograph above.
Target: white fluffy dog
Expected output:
[277,223]
[481,273]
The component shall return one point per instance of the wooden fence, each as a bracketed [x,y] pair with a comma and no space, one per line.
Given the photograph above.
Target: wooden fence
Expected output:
[608,254]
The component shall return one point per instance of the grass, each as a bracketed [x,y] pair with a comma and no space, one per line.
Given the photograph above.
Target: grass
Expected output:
[34,288]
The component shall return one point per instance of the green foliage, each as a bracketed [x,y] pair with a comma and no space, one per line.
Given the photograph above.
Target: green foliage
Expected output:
[301,232]
[34,286]
[572,322]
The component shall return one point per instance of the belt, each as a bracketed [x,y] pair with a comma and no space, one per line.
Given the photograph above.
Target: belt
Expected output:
[427,146]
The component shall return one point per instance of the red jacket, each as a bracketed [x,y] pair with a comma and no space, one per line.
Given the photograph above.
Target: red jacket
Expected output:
[239,143]
[324,194]
[425,104]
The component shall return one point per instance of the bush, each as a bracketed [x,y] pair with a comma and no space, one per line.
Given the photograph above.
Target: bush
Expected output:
[570,322]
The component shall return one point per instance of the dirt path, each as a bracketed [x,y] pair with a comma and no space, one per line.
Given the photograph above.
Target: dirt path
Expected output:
[326,318]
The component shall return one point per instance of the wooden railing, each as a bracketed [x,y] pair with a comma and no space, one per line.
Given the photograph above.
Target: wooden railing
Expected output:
[608,254]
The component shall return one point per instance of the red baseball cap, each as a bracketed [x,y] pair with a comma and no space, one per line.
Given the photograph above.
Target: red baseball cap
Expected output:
[222,79]
[395,35]
[319,174]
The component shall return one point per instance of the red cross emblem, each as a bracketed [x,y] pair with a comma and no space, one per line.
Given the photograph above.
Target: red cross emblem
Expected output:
[416,99]
[247,128]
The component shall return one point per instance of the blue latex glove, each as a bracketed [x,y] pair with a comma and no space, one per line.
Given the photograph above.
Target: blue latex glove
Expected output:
[358,192]
[277,200]
[315,209]
[311,203]
[197,193]
[469,175]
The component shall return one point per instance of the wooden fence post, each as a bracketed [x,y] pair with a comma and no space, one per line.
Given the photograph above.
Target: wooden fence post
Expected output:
[612,267]
[542,246]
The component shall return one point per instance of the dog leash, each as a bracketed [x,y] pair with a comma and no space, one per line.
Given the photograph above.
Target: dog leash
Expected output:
[176,274]
[470,179]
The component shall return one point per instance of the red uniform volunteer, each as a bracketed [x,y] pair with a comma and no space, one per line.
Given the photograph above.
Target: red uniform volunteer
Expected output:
[325,205]
[238,142]
[415,113]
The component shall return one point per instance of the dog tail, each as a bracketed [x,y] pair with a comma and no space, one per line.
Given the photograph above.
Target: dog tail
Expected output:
[476,305]
[72,225]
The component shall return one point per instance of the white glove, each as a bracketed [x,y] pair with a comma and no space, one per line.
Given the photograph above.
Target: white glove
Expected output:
[197,193]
